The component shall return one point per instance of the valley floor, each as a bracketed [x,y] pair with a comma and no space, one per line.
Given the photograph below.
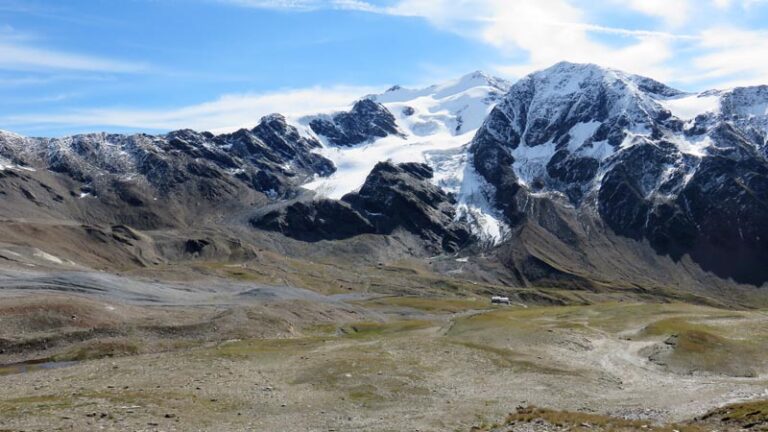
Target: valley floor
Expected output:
[294,360]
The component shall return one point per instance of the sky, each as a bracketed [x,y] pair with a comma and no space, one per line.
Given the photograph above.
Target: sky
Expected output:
[73,66]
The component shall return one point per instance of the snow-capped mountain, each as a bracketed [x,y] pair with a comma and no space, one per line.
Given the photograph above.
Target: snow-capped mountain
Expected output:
[572,175]
[685,172]
[421,123]
[432,125]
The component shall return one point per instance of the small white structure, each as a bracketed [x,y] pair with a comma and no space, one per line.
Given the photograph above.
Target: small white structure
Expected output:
[500,300]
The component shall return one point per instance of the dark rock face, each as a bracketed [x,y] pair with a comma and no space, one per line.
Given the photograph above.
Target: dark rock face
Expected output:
[152,181]
[604,140]
[718,217]
[728,201]
[289,145]
[393,197]
[494,161]
[401,196]
[316,220]
[366,121]
[277,150]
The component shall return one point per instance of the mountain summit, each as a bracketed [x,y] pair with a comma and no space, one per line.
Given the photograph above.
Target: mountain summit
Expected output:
[617,146]
[576,176]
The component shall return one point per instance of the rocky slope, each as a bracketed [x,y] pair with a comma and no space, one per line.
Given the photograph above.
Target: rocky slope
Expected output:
[271,159]
[617,148]
[574,176]
[393,197]
[366,121]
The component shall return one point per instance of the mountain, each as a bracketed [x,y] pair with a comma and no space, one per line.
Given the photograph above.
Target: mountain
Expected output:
[575,176]
[407,148]
[393,196]
[432,125]
[683,172]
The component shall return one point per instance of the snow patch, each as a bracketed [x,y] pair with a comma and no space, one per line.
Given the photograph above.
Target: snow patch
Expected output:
[600,150]
[353,164]
[580,133]
[475,205]
[692,146]
[756,110]
[531,162]
[688,107]
[436,119]
[48,257]
[456,174]
[5,164]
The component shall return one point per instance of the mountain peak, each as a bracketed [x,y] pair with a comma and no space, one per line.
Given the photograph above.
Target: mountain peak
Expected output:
[477,79]
[473,80]
[274,117]
[567,65]
[8,134]
[570,77]
[578,73]
[478,76]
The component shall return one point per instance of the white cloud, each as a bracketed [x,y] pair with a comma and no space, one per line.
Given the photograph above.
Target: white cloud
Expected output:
[225,114]
[692,42]
[745,4]
[674,12]
[548,31]
[18,53]
[306,5]
[732,57]
[21,57]
[542,32]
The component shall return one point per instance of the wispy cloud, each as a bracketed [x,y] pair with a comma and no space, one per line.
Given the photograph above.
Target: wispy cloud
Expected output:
[307,5]
[27,58]
[732,57]
[674,13]
[548,31]
[744,4]
[225,114]
[21,51]
[32,100]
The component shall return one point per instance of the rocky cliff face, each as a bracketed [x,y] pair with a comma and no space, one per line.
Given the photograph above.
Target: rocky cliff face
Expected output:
[618,146]
[156,181]
[394,197]
[366,121]
[577,176]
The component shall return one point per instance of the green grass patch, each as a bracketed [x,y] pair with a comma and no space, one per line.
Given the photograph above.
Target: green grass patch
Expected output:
[259,348]
[506,358]
[376,329]
[33,405]
[745,415]
[672,326]
[430,304]
[697,347]
[576,421]
[98,350]
[364,373]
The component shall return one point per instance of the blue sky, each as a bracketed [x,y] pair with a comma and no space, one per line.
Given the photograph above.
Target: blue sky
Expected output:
[154,65]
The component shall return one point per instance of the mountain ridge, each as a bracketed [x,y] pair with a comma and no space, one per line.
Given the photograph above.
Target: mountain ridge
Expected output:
[534,178]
